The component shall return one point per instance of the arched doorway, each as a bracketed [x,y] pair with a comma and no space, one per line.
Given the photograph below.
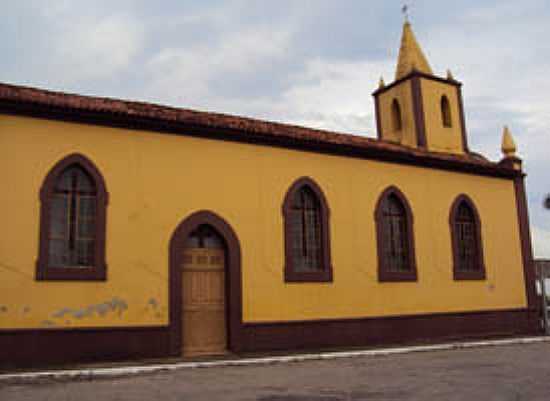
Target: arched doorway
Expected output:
[205,287]
[204,328]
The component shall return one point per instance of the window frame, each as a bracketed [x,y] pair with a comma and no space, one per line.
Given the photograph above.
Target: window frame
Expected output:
[458,274]
[325,273]
[96,272]
[384,274]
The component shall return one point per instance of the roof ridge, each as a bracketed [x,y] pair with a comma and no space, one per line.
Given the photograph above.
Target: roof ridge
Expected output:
[156,105]
[253,129]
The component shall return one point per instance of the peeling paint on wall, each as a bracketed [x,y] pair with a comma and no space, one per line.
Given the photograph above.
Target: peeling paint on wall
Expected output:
[115,305]
[155,308]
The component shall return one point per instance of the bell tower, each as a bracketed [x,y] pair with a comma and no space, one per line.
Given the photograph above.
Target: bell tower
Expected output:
[419,109]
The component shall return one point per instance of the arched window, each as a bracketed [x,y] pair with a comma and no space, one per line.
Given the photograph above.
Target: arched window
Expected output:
[72,222]
[394,229]
[397,120]
[466,240]
[307,248]
[446,112]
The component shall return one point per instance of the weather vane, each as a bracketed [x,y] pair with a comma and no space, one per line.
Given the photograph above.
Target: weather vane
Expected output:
[405,11]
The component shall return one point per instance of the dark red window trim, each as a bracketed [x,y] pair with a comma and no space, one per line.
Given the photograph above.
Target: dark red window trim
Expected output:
[458,274]
[325,272]
[98,270]
[384,273]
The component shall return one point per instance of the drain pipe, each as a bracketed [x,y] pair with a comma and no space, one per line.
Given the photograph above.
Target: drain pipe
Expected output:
[542,275]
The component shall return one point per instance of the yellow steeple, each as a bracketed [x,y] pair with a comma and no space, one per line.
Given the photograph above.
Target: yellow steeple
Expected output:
[410,55]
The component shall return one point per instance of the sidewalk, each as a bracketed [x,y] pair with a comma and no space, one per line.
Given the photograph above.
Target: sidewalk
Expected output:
[89,373]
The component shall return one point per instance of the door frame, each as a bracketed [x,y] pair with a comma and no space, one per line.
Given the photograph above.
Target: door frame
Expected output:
[233,286]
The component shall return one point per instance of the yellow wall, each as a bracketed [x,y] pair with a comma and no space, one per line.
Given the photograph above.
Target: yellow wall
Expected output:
[438,137]
[157,180]
[403,93]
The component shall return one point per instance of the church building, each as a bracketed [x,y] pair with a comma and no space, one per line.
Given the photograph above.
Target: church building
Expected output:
[135,230]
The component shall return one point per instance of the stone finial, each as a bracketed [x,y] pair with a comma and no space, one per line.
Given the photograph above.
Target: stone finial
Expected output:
[381,83]
[509,159]
[508,145]
[450,76]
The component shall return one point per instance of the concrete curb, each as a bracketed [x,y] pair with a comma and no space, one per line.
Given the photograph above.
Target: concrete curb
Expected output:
[122,371]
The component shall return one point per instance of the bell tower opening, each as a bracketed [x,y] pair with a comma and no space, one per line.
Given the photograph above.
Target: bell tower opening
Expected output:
[446,112]
[396,116]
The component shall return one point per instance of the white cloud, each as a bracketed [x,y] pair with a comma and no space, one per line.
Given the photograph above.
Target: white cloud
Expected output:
[94,49]
[322,94]
[185,75]
[335,95]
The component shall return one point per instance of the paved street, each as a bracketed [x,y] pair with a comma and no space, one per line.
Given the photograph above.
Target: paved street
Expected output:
[519,372]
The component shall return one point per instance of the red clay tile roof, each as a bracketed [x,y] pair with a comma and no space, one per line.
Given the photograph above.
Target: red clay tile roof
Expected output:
[228,126]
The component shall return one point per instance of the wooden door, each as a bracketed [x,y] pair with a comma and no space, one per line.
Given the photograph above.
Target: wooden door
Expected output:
[203,287]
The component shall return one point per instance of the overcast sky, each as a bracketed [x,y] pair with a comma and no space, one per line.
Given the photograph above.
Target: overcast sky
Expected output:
[310,62]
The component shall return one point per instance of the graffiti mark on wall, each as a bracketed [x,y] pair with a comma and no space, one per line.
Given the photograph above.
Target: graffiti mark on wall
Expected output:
[116,305]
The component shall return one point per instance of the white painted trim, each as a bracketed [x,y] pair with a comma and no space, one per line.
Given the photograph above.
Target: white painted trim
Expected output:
[99,372]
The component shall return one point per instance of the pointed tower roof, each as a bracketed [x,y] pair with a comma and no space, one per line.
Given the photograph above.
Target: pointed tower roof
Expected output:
[410,55]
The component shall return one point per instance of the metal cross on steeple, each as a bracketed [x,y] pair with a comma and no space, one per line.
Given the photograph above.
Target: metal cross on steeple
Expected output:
[405,11]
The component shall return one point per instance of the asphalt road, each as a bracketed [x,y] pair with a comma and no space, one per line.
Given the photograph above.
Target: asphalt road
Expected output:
[518,372]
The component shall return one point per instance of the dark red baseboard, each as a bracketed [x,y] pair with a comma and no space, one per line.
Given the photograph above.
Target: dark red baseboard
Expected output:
[28,348]
[33,348]
[388,330]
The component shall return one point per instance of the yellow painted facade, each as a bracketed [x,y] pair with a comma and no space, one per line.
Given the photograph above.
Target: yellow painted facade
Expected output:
[402,93]
[156,180]
[438,137]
